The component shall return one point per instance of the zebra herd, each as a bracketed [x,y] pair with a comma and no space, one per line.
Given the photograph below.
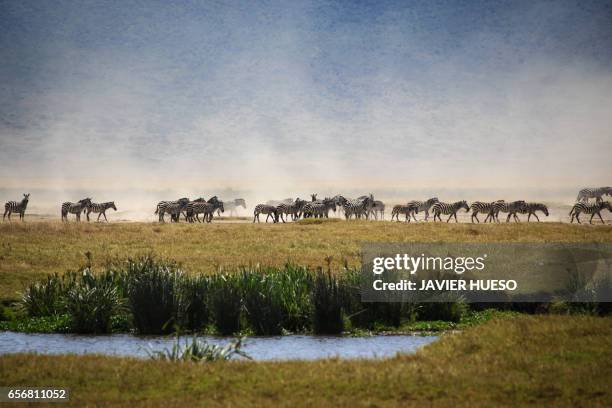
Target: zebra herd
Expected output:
[191,210]
[362,207]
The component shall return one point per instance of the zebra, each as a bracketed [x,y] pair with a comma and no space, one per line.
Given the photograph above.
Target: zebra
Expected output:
[359,207]
[232,206]
[294,209]
[512,208]
[270,210]
[446,209]
[402,209]
[174,208]
[319,208]
[378,207]
[597,193]
[484,207]
[593,209]
[200,206]
[17,207]
[100,209]
[75,208]
[424,206]
[531,208]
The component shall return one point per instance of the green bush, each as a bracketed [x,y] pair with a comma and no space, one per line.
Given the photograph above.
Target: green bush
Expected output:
[327,317]
[225,303]
[153,294]
[45,298]
[91,303]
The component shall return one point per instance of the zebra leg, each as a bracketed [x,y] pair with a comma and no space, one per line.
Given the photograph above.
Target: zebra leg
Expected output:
[536,216]
[475,215]
[426,215]
[599,214]
[578,219]
[104,213]
[591,219]
[5,211]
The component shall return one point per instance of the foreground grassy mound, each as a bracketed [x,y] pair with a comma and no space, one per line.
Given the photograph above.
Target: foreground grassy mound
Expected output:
[31,250]
[541,360]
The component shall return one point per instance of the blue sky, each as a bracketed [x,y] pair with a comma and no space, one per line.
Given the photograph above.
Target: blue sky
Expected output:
[318,93]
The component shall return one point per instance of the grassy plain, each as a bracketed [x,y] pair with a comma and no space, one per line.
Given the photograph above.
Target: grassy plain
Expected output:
[513,361]
[32,249]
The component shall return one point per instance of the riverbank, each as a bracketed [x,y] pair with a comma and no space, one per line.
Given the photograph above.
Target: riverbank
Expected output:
[31,250]
[538,360]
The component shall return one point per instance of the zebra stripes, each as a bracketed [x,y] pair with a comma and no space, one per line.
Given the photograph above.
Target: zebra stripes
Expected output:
[100,209]
[16,207]
[270,210]
[319,208]
[448,209]
[532,208]
[597,193]
[359,207]
[488,208]
[587,208]
[423,206]
[512,208]
[402,209]
[174,208]
[294,209]
[74,208]
[207,208]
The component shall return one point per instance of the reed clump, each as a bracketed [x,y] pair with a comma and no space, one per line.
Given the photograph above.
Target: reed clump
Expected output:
[153,296]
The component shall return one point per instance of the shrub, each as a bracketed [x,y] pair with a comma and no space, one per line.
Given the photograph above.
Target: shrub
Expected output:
[45,298]
[193,314]
[262,297]
[152,291]
[92,302]
[225,303]
[199,351]
[327,315]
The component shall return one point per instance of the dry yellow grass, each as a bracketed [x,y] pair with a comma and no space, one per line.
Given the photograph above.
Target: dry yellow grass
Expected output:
[32,249]
[526,360]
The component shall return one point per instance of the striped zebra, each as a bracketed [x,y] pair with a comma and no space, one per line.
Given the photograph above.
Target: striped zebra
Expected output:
[588,208]
[597,193]
[174,208]
[359,207]
[294,209]
[482,207]
[531,208]
[232,206]
[75,208]
[512,208]
[424,206]
[448,209]
[16,207]
[319,208]
[270,210]
[402,209]
[100,209]
[208,208]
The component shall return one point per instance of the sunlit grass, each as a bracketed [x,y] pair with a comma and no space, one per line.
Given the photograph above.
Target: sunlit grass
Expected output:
[522,360]
[32,249]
